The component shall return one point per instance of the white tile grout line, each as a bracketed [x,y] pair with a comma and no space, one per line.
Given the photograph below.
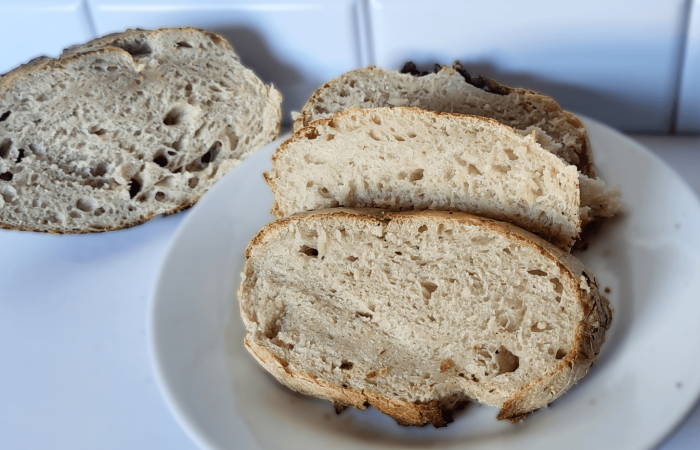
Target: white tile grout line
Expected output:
[90,20]
[368,40]
[680,61]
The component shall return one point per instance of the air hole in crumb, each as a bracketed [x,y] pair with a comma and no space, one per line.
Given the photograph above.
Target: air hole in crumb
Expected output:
[365,315]
[505,250]
[538,327]
[211,155]
[308,251]
[352,258]
[160,196]
[309,184]
[399,138]
[374,136]
[507,361]
[161,160]
[512,156]
[134,48]
[86,204]
[5,146]
[399,253]
[99,211]
[376,119]
[5,116]
[402,175]
[183,44]
[192,182]
[428,289]
[97,131]
[173,117]
[346,365]
[411,134]
[473,170]
[329,137]
[558,287]
[423,228]
[416,175]
[100,169]
[7,176]
[323,192]
[134,188]
[537,272]
[561,353]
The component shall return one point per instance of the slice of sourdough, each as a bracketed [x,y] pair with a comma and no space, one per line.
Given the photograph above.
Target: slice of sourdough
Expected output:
[453,89]
[126,127]
[409,158]
[416,312]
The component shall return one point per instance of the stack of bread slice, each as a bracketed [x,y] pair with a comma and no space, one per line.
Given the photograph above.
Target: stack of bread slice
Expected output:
[421,255]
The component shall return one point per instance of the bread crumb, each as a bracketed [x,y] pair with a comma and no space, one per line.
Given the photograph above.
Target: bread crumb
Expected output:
[607,290]
[371,375]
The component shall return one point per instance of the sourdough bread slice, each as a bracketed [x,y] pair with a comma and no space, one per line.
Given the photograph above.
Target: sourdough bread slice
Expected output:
[409,158]
[126,127]
[416,312]
[453,89]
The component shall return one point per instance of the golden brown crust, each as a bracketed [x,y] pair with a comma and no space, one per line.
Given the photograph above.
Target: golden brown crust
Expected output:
[589,334]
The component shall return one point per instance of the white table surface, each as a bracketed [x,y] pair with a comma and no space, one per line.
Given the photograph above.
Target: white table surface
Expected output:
[75,371]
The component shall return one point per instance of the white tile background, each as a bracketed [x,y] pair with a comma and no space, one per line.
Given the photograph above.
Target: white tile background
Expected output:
[34,28]
[689,94]
[74,370]
[633,64]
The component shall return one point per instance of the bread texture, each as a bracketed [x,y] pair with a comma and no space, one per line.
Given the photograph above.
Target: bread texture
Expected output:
[407,158]
[126,127]
[453,89]
[415,313]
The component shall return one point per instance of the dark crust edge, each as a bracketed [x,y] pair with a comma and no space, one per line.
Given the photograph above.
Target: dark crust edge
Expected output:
[309,132]
[43,62]
[588,339]
[585,166]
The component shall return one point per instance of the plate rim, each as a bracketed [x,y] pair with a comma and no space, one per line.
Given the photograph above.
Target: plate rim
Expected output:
[169,394]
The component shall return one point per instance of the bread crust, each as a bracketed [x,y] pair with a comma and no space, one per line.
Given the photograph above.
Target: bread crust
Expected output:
[589,333]
[518,95]
[104,46]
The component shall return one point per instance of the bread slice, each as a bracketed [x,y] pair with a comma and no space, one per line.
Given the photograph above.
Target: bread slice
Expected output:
[416,312]
[409,158]
[126,127]
[453,89]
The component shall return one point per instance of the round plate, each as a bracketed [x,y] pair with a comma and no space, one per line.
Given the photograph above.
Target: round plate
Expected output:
[643,383]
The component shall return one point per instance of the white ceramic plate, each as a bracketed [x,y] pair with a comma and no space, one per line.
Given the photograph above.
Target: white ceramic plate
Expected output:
[641,386]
